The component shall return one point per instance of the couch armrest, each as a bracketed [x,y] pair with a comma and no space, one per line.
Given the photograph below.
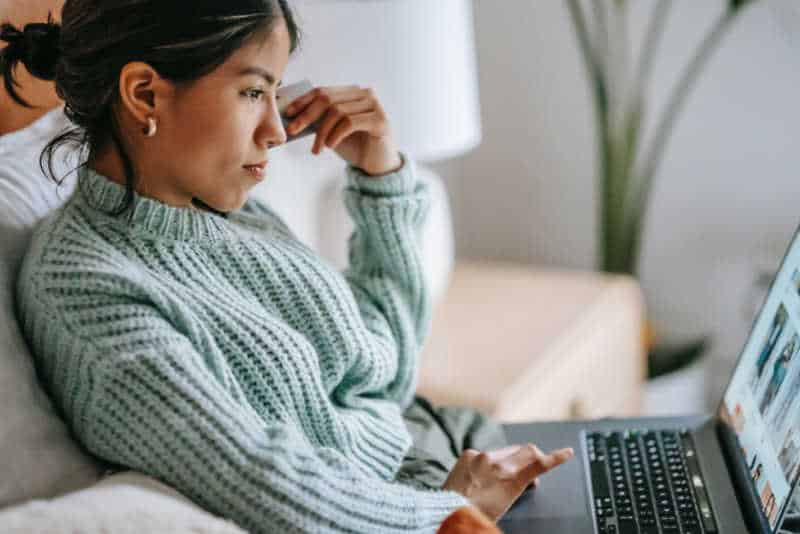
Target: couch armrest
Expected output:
[522,344]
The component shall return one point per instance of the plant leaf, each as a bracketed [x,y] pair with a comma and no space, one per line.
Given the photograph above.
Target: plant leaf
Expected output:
[735,5]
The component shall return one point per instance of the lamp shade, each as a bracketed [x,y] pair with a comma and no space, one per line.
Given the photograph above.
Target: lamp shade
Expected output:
[418,55]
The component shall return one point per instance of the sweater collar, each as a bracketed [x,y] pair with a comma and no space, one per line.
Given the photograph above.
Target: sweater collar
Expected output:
[150,216]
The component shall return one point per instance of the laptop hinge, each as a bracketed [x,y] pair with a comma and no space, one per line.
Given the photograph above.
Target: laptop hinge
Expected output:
[746,494]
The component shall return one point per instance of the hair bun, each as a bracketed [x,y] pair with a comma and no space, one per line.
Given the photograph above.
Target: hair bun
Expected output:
[36,46]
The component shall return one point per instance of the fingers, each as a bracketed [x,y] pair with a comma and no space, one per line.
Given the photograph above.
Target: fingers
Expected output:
[541,463]
[505,452]
[529,462]
[339,115]
[493,480]
[373,123]
[522,463]
[312,105]
[556,458]
[525,463]
[299,103]
[337,112]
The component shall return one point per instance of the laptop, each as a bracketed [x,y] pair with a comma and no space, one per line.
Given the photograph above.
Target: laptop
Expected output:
[729,472]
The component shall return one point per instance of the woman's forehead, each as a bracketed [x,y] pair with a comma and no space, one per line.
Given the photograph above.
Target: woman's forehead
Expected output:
[266,52]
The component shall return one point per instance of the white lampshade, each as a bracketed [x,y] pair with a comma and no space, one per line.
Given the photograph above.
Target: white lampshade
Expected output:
[419,56]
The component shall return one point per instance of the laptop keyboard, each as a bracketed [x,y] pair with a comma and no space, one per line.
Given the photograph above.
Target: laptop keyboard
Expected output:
[647,482]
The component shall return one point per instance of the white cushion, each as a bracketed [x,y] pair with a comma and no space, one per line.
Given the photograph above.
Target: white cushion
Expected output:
[126,502]
[38,458]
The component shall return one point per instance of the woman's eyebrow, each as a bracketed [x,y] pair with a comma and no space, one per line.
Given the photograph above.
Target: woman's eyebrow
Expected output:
[258,71]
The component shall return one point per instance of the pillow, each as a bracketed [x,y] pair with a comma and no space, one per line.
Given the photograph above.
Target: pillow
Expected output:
[126,502]
[38,457]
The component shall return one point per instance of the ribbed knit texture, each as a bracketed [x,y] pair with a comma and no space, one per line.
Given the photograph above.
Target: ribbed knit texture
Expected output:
[229,360]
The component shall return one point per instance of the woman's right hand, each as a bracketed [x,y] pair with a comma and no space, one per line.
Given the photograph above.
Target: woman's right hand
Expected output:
[493,480]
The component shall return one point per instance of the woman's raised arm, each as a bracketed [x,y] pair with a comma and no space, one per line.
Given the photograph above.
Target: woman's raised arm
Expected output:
[385,268]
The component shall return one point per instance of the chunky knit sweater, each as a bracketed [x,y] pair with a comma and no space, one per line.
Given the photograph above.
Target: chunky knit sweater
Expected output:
[224,357]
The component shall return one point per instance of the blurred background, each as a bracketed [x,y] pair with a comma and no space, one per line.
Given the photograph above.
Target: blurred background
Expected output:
[724,206]
[522,184]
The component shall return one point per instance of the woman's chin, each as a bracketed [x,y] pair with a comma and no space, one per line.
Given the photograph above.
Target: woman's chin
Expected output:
[233,206]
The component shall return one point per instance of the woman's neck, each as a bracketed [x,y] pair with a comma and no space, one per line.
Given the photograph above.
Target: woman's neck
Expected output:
[109,164]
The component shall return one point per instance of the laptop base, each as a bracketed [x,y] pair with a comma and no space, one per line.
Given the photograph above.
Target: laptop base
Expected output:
[561,502]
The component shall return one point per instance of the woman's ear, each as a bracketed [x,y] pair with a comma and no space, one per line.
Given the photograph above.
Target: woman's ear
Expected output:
[142,90]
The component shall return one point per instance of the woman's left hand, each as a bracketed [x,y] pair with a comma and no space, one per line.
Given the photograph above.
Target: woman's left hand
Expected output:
[354,124]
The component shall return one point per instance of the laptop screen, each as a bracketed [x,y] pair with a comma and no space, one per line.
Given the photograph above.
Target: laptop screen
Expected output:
[762,401]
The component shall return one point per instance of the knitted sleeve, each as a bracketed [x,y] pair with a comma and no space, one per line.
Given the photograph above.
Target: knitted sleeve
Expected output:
[155,404]
[385,269]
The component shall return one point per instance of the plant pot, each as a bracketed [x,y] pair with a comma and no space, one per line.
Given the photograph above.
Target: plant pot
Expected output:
[666,358]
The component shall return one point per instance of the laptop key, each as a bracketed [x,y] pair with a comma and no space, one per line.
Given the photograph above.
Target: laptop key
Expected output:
[628,526]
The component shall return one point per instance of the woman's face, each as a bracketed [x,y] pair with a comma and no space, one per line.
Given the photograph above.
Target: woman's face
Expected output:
[211,130]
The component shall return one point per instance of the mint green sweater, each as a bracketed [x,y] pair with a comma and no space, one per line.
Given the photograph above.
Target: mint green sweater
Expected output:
[229,360]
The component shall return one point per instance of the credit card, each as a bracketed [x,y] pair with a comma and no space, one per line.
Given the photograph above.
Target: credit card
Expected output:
[284,96]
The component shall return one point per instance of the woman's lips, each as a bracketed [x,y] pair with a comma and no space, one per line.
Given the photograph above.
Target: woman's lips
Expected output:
[258,170]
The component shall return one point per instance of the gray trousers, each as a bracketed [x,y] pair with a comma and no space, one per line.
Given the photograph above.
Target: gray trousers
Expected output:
[441,434]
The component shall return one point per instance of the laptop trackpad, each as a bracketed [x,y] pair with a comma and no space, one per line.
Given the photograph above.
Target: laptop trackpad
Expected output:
[559,504]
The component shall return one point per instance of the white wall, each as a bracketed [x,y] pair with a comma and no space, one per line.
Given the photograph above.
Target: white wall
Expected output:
[728,190]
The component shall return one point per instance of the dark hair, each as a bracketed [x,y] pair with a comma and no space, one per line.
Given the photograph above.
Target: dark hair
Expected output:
[84,55]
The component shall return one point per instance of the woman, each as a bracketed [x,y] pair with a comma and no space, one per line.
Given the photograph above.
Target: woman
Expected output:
[184,331]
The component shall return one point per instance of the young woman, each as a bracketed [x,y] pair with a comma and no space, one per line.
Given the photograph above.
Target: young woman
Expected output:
[183,330]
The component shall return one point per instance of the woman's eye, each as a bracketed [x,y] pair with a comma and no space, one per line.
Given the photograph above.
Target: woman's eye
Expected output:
[254,94]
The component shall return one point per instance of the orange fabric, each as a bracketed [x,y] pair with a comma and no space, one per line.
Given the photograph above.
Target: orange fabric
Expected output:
[468,520]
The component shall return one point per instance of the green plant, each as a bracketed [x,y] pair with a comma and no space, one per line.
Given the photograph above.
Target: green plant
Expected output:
[627,168]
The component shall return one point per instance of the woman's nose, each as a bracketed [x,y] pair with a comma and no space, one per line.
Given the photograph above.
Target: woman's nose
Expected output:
[271,132]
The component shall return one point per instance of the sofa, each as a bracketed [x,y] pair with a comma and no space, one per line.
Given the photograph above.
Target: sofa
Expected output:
[518,342]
